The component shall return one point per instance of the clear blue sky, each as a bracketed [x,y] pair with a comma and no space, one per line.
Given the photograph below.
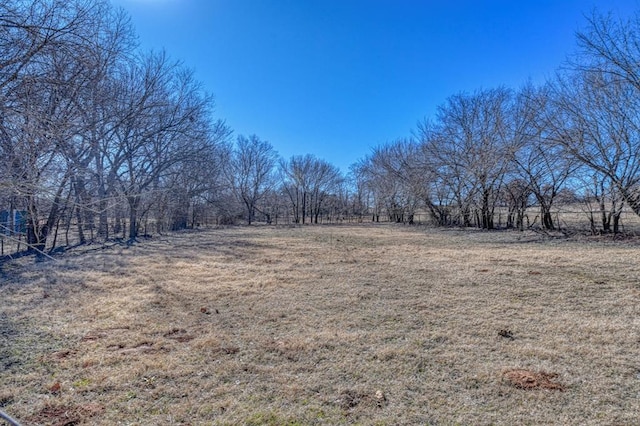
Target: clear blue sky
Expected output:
[335,78]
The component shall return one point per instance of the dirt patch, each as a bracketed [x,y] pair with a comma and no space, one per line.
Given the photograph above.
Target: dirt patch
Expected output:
[526,379]
[65,415]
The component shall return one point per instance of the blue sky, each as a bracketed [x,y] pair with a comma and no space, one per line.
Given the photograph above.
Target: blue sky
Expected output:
[335,78]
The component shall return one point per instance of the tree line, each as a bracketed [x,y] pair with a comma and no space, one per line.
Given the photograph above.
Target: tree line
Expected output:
[99,140]
[573,139]
[95,133]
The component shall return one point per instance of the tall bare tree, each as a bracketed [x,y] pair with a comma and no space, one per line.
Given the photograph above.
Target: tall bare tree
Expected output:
[308,181]
[476,134]
[540,163]
[39,79]
[596,120]
[295,183]
[252,172]
[598,103]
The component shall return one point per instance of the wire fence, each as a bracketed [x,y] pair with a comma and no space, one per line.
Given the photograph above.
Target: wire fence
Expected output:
[575,218]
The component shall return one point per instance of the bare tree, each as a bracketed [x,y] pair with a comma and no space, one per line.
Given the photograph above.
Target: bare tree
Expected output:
[295,183]
[308,181]
[475,143]
[359,191]
[516,194]
[252,172]
[38,82]
[325,179]
[193,184]
[89,129]
[540,163]
[446,192]
[596,119]
[395,177]
[161,120]
[602,202]
[31,30]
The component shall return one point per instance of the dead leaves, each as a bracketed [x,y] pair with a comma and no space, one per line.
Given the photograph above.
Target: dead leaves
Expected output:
[55,388]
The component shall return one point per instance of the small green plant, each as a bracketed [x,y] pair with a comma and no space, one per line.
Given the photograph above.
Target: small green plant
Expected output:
[82,383]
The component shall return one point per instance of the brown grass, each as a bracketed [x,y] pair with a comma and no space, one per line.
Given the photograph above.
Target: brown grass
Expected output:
[326,325]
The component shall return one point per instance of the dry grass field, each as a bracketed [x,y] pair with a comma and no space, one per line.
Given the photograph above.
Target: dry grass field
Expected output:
[372,325]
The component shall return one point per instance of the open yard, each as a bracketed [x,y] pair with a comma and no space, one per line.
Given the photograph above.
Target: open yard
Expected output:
[326,325]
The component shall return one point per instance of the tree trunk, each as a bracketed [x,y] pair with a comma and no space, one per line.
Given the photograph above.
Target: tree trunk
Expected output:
[117,226]
[606,221]
[54,214]
[33,231]
[37,235]
[304,206]
[616,223]
[134,202]
[592,223]
[103,218]
[486,211]
[547,219]
[81,236]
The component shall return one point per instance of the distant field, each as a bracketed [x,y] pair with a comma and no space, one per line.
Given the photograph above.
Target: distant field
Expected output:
[367,324]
